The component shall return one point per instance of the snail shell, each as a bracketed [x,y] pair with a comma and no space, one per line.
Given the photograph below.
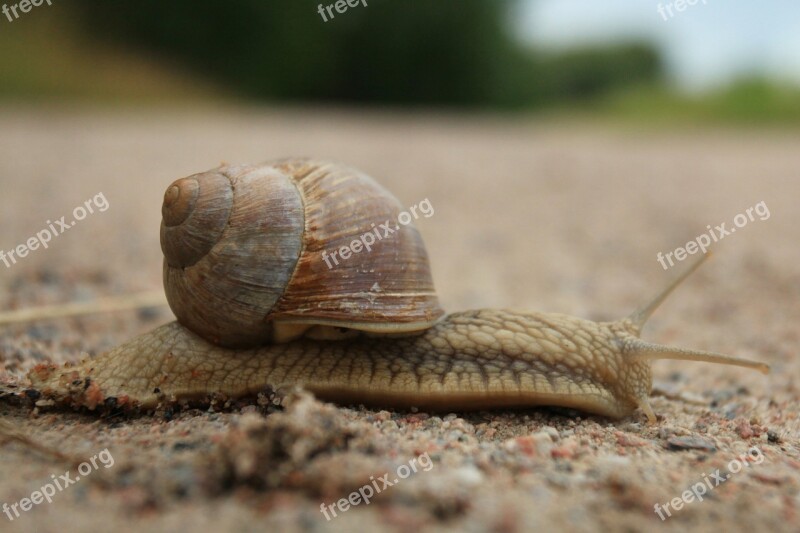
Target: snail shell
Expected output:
[243,261]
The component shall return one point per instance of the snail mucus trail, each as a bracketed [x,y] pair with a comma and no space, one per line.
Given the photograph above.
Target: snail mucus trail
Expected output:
[257,309]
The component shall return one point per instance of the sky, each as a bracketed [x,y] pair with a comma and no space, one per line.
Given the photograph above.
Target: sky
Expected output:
[705,46]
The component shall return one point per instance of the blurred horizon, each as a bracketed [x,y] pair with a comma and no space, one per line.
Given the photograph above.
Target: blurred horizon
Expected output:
[705,46]
[712,63]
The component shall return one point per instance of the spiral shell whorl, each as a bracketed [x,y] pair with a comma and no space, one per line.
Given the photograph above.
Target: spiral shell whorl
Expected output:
[195,212]
[226,295]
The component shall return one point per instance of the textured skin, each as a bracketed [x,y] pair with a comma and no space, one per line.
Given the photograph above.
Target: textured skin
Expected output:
[469,360]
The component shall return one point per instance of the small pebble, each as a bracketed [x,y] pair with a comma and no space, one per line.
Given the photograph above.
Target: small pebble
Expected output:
[690,443]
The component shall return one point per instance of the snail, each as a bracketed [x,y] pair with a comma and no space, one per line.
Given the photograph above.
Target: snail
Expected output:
[257,308]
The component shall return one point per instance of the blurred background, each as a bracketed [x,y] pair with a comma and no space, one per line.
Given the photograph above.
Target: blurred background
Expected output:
[647,61]
[546,117]
[562,145]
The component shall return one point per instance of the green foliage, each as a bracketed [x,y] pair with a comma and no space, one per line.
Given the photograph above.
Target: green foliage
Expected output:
[390,51]
[586,73]
[748,102]
[423,52]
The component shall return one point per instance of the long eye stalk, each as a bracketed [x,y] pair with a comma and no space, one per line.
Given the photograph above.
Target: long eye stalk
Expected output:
[642,350]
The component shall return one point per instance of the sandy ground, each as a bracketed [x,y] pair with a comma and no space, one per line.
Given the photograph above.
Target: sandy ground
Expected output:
[538,216]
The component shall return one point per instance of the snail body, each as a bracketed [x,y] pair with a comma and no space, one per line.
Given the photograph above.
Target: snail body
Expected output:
[470,360]
[350,345]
